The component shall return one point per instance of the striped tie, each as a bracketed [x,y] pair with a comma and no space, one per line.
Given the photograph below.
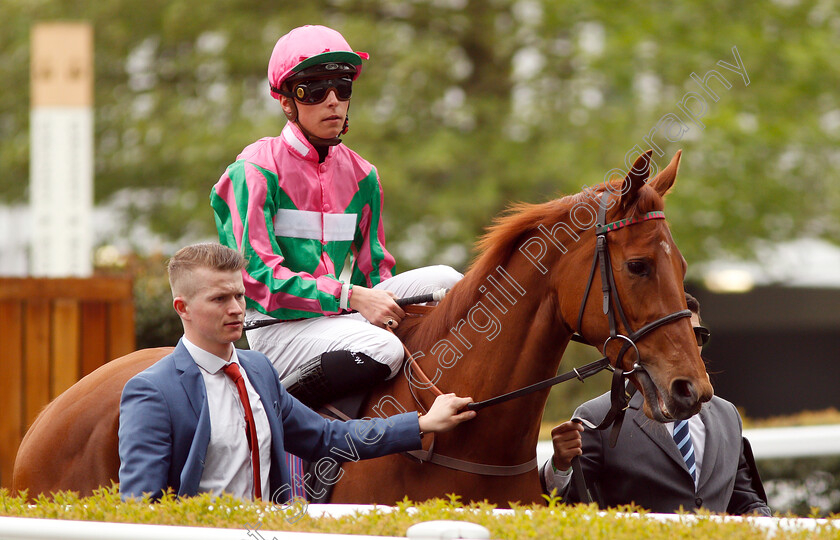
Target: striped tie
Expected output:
[683,439]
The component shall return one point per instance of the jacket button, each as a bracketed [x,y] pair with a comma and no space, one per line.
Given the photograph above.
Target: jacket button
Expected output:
[698,502]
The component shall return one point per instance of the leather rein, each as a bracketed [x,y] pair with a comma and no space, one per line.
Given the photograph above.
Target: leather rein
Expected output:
[619,397]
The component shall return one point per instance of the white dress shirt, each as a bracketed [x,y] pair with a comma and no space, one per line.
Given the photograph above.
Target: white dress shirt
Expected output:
[696,429]
[227,465]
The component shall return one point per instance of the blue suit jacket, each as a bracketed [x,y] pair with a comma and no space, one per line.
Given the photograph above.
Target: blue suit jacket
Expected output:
[165,428]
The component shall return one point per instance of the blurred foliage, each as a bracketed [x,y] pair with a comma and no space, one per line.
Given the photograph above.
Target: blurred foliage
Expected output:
[799,485]
[804,418]
[465,106]
[155,321]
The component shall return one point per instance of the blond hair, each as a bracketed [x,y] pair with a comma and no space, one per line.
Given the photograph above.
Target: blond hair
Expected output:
[207,255]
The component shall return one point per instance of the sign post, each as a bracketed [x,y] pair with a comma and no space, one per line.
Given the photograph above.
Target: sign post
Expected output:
[61,166]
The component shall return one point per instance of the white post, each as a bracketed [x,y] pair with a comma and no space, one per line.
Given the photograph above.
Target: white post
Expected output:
[61,150]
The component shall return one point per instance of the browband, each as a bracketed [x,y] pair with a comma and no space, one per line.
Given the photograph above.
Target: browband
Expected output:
[615,225]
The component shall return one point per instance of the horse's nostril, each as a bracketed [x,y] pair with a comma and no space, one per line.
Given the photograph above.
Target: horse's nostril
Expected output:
[683,389]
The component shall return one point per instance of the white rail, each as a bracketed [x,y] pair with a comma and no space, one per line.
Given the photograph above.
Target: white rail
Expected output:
[769,443]
[794,442]
[57,529]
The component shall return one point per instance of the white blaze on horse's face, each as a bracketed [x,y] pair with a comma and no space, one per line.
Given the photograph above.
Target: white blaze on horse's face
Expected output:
[666,246]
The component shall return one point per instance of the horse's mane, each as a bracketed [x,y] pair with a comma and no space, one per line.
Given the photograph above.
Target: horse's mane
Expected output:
[504,236]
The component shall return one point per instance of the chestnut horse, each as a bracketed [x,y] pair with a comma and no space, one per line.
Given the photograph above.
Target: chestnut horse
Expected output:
[503,327]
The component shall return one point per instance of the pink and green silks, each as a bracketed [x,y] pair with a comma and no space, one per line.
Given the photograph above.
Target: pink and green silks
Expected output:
[297,221]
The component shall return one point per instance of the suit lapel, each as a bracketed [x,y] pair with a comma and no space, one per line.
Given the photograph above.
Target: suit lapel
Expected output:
[260,380]
[190,378]
[712,446]
[657,432]
[255,376]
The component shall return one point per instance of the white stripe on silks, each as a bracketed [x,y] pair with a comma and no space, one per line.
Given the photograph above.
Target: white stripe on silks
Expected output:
[311,225]
[339,227]
[295,143]
[297,224]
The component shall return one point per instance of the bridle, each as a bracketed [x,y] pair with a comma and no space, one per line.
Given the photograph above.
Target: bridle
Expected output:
[619,397]
[601,260]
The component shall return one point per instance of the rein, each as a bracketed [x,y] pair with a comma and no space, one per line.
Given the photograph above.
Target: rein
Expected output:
[429,456]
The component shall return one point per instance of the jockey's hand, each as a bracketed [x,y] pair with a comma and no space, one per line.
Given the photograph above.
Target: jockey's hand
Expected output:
[377,306]
[444,415]
[567,444]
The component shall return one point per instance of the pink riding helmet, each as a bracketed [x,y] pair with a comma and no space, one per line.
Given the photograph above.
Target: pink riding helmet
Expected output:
[307,46]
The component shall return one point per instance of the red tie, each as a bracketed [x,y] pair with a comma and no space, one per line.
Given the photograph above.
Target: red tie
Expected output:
[232,371]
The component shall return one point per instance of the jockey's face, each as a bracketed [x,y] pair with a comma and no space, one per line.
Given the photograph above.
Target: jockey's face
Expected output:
[213,316]
[325,119]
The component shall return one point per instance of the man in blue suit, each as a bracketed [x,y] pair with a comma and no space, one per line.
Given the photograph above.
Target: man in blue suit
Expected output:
[184,427]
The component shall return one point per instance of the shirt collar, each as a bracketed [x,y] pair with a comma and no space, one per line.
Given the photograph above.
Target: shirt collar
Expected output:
[298,142]
[209,362]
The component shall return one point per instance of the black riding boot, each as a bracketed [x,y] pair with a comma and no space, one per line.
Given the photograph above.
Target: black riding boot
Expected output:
[333,375]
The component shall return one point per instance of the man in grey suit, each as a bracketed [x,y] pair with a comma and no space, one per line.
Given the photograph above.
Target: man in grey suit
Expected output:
[646,466]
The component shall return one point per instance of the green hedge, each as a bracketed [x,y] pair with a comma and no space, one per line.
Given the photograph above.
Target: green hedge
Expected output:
[552,521]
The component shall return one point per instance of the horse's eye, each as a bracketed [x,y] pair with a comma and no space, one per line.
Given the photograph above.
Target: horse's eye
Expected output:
[638,268]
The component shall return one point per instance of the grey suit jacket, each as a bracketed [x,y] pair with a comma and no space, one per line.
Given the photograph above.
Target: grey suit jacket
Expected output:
[646,468]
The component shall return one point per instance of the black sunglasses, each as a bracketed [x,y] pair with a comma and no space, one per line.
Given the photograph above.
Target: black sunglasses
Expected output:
[702,334]
[316,91]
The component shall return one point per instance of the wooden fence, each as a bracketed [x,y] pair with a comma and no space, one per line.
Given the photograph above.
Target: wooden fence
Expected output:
[53,332]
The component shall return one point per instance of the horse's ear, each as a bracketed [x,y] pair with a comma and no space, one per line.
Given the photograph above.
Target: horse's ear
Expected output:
[664,181]
[636,179]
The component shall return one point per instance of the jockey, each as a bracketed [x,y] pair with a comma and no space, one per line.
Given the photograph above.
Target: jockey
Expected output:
[299,207]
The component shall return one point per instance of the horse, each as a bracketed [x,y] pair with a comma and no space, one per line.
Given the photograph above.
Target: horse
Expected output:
[505,325]
[72,444]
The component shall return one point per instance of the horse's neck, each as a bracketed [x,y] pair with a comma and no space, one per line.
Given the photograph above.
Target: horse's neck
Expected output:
[510,336]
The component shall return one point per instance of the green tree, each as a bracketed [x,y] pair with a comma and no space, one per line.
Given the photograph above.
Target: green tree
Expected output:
[466,106]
